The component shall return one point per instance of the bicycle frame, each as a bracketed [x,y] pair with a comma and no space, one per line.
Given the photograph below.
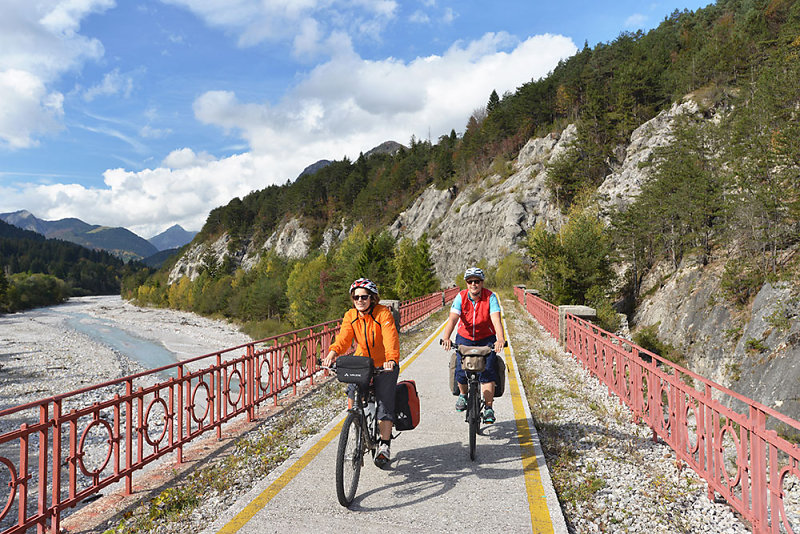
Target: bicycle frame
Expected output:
[369,422]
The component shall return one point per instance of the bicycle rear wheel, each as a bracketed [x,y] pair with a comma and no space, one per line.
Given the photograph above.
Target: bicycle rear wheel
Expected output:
[474,416]
[349,457]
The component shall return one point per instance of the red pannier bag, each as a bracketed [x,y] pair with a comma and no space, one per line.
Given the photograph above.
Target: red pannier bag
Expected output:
[406,405]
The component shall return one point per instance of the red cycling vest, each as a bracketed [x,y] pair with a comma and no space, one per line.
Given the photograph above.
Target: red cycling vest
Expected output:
[475,322]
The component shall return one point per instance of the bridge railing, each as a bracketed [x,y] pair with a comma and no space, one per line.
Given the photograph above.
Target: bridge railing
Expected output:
[59,451]
[736,450]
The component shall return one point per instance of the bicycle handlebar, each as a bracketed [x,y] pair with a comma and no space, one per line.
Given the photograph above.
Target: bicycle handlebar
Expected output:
[375,370]
[453,344]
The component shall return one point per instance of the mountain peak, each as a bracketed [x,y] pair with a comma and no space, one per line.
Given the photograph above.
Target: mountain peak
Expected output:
[314,167]
[387,147]
[173,237]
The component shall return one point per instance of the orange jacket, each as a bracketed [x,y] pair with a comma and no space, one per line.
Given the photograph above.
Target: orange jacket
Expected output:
[375,334]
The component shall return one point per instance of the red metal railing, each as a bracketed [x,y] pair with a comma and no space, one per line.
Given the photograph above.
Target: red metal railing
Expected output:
[741,460]
[135,420]
[545,313]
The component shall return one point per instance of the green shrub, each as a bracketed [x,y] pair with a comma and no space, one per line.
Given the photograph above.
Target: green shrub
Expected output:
[755,345]
[740,282]
[647,338]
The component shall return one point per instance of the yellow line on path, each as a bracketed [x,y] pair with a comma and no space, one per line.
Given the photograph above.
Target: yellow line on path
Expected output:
[537,502]
[252,508]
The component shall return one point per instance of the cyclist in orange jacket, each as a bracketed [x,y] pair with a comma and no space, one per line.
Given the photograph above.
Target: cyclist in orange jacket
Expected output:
[477,312]
[372,326]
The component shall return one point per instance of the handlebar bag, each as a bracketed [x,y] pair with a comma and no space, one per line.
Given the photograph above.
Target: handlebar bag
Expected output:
[354,370]
[473,358]
[406,405]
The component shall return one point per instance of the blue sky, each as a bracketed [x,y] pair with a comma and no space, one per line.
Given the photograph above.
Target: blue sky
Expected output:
[148,113]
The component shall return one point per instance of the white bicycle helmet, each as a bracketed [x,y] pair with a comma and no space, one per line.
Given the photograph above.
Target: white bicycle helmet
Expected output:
[474,272]
[366,283]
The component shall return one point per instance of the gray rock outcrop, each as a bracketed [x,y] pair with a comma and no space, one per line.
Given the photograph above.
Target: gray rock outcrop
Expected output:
[489,219]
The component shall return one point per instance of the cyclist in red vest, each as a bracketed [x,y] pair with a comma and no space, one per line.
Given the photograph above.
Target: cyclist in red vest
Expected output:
[478,310]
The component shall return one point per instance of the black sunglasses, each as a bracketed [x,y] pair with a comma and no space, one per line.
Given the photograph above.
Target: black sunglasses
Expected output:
[360,297]
[474,281]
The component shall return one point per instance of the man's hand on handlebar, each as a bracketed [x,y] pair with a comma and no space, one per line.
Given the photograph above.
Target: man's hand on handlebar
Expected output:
[389,365]
[445,343]
[498,345]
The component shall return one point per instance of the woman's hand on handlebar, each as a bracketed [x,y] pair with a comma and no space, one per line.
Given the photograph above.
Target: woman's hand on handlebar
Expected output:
[328,360]
[388,365]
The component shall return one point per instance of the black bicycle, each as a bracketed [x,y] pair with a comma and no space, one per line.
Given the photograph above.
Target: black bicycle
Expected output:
[473,362]
[360,432]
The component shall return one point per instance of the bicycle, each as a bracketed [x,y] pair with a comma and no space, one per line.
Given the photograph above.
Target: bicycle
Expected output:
[360,432]
[473,362]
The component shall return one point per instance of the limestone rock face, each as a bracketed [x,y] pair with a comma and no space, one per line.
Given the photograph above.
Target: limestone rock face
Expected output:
[752,351]
[291,240]
[333,236]
[624,184]
[488,219]
[192,261]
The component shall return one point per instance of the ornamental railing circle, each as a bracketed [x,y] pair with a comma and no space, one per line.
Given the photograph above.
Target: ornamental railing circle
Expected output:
[146,425]
[81,453]
[12,484]
[193,404]
[235,373]
[728,429]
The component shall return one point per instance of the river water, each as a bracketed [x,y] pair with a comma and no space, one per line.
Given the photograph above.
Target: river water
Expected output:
[145,352]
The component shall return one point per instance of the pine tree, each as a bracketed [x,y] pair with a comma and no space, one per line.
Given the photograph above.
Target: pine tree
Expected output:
[494,101]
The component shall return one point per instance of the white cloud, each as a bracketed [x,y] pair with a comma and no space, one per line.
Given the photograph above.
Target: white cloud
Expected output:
[349,104]
[143,201]
[449,15]
[113,83]
[65,16]
[302,22]
[26,109]
[307,41]
[148,132]
[185,158]
[636,21]
[39,42]
[419,17]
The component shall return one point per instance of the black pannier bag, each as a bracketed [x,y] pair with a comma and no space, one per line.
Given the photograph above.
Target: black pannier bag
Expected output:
[500,385]
[452,370]
[354,370]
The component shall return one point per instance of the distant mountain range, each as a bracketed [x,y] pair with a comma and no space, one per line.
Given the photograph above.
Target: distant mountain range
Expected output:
[117,240]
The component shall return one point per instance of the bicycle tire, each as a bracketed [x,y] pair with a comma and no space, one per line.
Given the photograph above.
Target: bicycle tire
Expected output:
[473,405]
[349,458]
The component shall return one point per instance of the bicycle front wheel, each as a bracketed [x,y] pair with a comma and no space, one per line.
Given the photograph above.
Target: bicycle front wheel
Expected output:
[474,407]
[349,458]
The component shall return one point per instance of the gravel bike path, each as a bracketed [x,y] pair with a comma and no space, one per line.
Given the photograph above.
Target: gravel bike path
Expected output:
[431,484]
